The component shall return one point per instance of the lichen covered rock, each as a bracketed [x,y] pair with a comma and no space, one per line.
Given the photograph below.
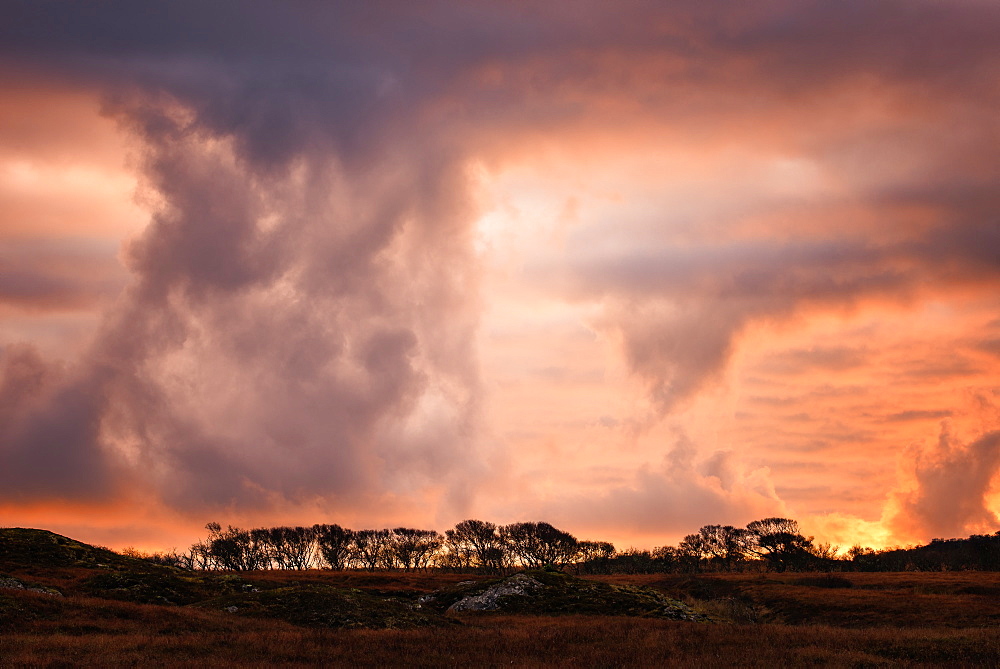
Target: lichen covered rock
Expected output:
[491,598]
[556,593]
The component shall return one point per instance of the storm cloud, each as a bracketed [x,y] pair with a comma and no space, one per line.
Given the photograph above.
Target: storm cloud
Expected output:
[302,288]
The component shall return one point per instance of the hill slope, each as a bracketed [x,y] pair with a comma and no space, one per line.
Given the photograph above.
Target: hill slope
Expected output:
[29,549]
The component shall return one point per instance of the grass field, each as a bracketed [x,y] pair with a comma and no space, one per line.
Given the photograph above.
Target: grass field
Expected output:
[881,620]
[769,620]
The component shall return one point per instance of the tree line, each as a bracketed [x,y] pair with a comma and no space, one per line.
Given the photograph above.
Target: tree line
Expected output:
[479,546]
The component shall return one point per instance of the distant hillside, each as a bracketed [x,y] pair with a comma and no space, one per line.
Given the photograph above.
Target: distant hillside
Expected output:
[979,552]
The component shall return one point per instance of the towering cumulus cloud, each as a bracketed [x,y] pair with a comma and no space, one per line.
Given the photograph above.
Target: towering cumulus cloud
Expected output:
[425,259]
[952,482]
[300,317]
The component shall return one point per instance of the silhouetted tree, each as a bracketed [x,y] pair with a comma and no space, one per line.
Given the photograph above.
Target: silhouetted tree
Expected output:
[476,543]
[779,542]
[594,557]
[413,549]
[292,547]
[199,556]
[370,548]
[720,546]
[674,559]
[334,544]
[825,551]
[632,561]
[538,544]
[238,550]
[693,547]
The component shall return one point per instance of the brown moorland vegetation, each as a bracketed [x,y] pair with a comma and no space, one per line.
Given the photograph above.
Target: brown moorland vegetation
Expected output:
[90,633]
[788,619]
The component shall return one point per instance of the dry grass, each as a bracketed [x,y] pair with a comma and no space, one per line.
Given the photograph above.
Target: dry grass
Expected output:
[507,641]
[869,620]
[905,600]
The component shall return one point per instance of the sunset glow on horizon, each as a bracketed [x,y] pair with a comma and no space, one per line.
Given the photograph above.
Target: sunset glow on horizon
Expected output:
[627,270]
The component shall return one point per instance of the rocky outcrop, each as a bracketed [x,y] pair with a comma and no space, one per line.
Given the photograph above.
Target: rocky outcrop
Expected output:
[490,599]
[555,593]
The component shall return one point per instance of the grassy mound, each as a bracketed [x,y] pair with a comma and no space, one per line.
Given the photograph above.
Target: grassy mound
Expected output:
[155,584]
[72,567]
[22,548]
[556,593]
[326,606]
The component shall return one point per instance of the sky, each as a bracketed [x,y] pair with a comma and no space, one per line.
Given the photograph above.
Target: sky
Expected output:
[630,268]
